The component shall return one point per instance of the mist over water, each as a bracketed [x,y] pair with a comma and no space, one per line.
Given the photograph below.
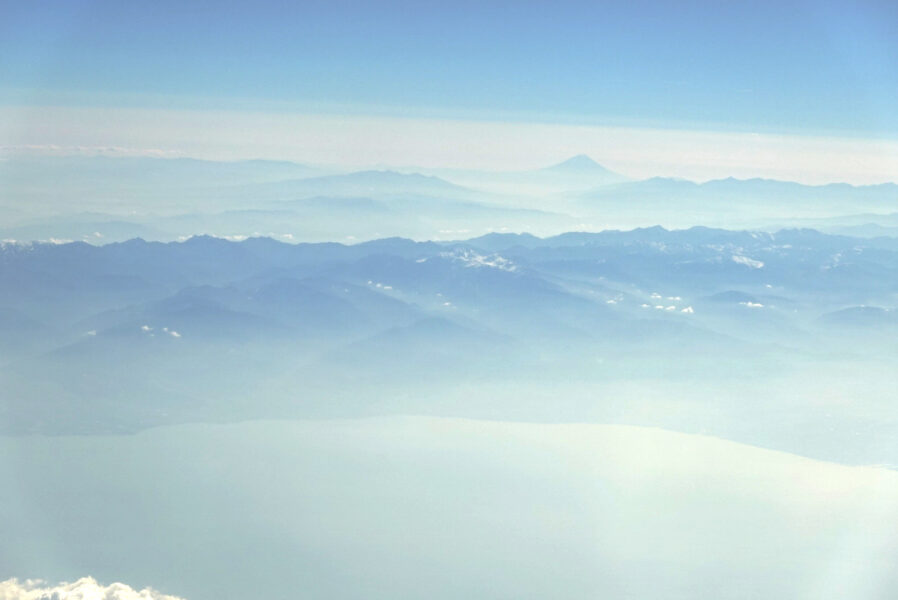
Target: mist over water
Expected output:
[405,507]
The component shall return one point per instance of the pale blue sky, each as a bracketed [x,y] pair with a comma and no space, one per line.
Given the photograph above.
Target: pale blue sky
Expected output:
[791,67]
[813,66]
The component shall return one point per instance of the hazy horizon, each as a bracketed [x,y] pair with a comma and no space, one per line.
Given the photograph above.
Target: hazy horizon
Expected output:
[357,142]
[488,300]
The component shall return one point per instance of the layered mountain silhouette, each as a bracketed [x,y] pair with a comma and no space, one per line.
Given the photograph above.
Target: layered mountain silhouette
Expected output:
[128,335]
[103,199]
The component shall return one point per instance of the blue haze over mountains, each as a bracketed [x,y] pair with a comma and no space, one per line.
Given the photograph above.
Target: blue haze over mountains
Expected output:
[698,330]
[396,384]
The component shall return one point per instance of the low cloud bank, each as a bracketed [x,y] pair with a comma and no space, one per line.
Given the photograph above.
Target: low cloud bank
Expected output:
[85,588]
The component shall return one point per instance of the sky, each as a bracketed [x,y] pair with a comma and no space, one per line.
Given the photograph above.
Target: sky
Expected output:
[808,74]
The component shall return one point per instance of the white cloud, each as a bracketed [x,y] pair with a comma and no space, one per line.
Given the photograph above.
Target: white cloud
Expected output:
[174,334]
[748,262]
[85,588]
[146,328]
[688,310]
[471,259]
[752,304]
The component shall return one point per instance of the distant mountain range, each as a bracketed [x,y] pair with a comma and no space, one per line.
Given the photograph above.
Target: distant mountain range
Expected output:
[105,199]
[758,189]
[369,184]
